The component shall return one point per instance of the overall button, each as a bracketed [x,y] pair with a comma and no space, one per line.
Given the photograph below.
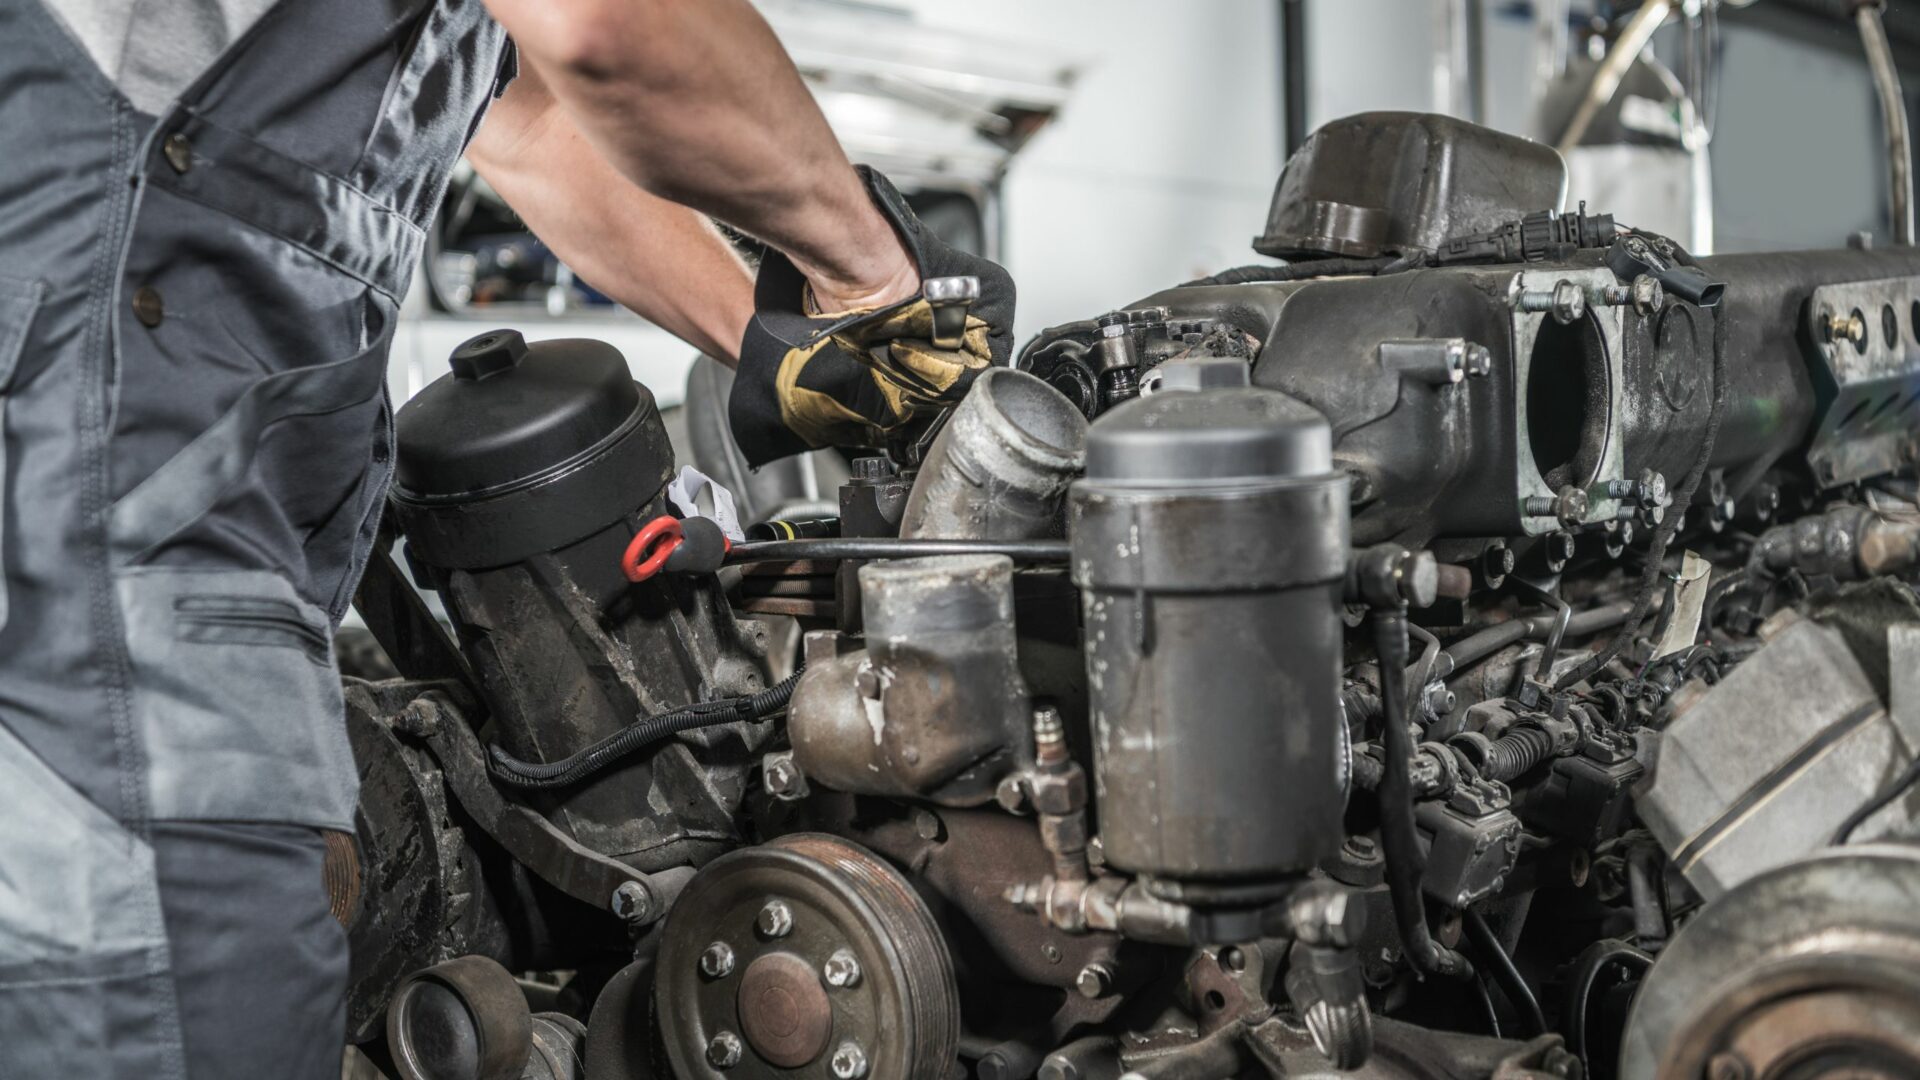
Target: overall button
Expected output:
[147,307]
[178,152]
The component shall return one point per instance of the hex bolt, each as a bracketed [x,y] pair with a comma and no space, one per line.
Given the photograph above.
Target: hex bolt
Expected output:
[1094,981]
[723,1050]
[1566,301]
[1478,361]
[632,902]
[1846,328]
[841,969]
[1647,294]
[927,826]
[775,919]
[1652,488]
[849,1061]
[716,962]
[1560,547]
[782,778]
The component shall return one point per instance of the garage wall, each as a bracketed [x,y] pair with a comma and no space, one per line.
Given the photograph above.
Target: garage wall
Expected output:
[1161,166]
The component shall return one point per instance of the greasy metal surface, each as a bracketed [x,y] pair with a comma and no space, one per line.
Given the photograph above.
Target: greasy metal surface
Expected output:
[568,652]
[463,1018]
[935,706]
[784,1011]
[1378,182]
[1819,958]
[1757,771]
[902,1012]
[1870,389]
[422,900]
[999,469]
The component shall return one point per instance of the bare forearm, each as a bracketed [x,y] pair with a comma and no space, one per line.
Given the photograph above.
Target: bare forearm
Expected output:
[695,101]
[662,260]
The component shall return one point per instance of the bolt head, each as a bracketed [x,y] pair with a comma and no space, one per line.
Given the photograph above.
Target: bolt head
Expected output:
[1570,505]
[1648,296]
[849,1062]
[1479,361]
[775,919]
[1559,547]
[716,962]
[1012,794]
[1093,981]
[841,970]
[1569,302]
[780,776]
[724,1050]
[632,902]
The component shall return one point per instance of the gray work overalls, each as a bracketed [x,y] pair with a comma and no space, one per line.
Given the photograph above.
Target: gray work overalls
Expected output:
[195,313]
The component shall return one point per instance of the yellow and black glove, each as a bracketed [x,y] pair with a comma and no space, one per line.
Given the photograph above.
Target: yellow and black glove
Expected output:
[866,378]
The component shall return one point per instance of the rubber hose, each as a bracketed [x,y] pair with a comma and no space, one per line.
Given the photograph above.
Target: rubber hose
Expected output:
[597,758]
[1504,972]
[1399,836]
[1517,751]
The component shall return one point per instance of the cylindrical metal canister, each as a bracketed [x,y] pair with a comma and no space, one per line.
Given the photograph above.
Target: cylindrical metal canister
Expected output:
[1209,540]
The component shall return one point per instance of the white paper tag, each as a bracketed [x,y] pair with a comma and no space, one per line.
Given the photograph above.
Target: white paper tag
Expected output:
[684,493]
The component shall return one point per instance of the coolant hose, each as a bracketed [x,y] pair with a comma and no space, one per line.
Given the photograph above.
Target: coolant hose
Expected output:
[1406,866]
[571,770]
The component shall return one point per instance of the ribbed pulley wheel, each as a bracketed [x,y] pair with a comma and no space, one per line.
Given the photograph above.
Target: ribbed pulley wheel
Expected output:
[807,957]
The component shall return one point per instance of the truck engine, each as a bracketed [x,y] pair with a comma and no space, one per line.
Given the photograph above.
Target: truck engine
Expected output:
[1479,643]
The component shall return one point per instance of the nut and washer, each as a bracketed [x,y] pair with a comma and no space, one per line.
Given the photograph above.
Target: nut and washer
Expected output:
[724,1050]
[841,969]
[849,1061]
[716,962]
[775,919]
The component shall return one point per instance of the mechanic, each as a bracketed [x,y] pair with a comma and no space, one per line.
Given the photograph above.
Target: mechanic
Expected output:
[209,211]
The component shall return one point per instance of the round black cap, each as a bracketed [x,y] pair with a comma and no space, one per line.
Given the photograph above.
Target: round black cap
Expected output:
[513,413]
[1211,437]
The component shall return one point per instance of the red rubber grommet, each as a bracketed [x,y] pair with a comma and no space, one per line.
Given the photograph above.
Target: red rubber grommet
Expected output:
[648,551]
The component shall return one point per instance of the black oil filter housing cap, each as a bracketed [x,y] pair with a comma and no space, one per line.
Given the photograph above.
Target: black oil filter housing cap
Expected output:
[523,448]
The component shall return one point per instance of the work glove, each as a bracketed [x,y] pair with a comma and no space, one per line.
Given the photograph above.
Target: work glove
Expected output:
[870,377]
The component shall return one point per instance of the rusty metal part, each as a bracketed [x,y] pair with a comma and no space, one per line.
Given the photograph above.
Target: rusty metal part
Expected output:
[1000,467]
[621,1040]
[901,1018]
[559,1053]
[1018,967]
[552,855]
[935,706]
[340,870]
[803,588]
[422,892]
[784,1011]
[1121,905]
[1808,970]
[465,1019]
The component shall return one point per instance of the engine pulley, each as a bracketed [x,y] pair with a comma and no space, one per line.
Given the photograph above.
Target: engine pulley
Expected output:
[805,957]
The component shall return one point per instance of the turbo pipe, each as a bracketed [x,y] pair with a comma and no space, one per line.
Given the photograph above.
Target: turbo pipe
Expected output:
[1893,118]
[999,470]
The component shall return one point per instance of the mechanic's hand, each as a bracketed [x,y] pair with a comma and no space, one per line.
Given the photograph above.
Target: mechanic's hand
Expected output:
[859,378]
